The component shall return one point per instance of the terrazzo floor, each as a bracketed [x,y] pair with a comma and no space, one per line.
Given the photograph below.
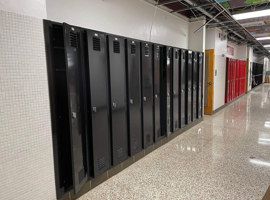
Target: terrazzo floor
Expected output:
[209,161]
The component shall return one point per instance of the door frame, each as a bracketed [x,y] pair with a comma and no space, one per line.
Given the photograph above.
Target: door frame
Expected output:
[208,110]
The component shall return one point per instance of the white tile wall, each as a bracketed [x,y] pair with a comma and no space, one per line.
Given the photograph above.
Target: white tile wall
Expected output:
[26,154]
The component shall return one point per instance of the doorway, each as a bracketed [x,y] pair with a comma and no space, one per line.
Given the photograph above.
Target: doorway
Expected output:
[209,82]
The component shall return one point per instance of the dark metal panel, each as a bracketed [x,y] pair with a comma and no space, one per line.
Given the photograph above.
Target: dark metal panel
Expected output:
[189,87]
[56,65]
[169,83]
[134,96]
[75,99]
[97,85]
[175,90]
[117,72]
[147,93]
[157,91]
[200,83]
[183,88]
[194,85]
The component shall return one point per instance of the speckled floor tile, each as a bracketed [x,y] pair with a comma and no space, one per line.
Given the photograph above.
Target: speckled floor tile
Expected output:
[227,156]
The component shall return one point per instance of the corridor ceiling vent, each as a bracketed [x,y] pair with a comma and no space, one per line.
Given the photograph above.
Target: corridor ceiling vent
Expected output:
[244,21]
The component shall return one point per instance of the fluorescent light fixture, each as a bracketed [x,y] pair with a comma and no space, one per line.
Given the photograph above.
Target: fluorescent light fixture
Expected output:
[267,45]
[263,38]
[261,13]
[258,162]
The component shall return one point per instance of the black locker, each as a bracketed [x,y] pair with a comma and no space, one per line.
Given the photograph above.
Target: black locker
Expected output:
[175,90]
[75,105]
[97,87]
[169,80]
[188,87]
[183,88]
[134,96]
[147,93]
[194,85]
[200,84]
[117,71]
[157,91]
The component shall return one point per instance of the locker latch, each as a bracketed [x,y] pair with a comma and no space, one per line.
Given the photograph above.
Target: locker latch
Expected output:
[95,109]
[114,105]
[156,96]
[168,94]
[174,92]
[74,115]
[182,91]
[131,101]
[144,98]
[194,88]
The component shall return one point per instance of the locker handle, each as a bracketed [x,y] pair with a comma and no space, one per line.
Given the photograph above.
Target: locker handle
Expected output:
[95,109]
[188,89]
[156,96]
[114,105]
[74,115]
[194,88]
[174,92]
[182,91]
[168,94]
[131,101]
[144,98]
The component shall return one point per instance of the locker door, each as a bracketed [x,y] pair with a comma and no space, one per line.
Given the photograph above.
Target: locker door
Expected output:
[134,96]
[200,88]
[175,90]
[98,100]
[117,69]
[183,88]
[147,93]
[75,101]
[194,85]
[189,87]
[157,94]
[169,79]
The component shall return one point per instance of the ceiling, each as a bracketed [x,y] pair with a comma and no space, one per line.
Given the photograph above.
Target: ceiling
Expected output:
[218,13]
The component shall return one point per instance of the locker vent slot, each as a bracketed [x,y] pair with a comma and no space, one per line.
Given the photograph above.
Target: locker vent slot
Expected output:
[158,52]
[101,163]
[96,44]
[73,39]
[133,49]
[146,51]
[81,175]
[175,124]
[119,153]
[135,145]
[158,132]
[189,118]
[147,138]
[176,55]
[183,120]
[116,47]
[183,55]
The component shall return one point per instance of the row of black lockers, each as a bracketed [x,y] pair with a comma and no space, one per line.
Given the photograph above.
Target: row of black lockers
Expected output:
[112,96]
[257,74]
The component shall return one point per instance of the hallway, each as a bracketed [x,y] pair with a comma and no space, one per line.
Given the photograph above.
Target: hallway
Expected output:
[227,156]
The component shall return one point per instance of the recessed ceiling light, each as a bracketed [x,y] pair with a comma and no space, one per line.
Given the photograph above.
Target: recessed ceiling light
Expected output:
[261,13]
[263,38]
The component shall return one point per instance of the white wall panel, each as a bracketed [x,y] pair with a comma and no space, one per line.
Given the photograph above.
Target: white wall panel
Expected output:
[130,18]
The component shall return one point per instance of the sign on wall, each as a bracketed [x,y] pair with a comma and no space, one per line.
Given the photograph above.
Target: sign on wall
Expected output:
[230,50]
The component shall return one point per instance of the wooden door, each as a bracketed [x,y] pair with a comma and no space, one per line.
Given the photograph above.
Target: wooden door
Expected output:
[209,82]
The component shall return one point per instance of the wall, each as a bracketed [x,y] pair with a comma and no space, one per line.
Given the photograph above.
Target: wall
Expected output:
[130,18]
[196,40]
[26,154]
[34,8]
[240,52]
